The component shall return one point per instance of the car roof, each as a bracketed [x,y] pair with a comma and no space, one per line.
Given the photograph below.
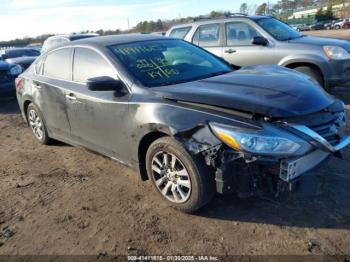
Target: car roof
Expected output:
[71,36]
[115,39]
[220,20]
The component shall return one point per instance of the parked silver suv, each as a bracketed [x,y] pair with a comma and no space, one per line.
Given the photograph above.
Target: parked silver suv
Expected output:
[253,40]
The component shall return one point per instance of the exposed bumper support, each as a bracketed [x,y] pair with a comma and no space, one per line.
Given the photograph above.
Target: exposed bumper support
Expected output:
[292,168]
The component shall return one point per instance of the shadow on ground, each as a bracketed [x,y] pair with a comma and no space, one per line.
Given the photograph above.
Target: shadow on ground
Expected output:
[327,207]
[9,106]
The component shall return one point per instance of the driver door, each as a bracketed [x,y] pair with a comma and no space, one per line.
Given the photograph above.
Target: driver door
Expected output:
[239,50]
[98,119]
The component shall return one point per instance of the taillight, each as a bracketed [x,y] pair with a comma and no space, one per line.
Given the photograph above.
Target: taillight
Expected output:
[18,83]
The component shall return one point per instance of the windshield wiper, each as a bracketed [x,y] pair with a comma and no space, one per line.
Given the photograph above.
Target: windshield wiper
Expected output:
[168,83]
[217,74]
[292,38]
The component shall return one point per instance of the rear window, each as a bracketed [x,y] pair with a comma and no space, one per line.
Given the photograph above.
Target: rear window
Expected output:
[207,35]
[180,33]
[58,64]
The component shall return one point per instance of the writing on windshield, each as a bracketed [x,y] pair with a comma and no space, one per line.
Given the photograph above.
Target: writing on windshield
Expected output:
[162,62]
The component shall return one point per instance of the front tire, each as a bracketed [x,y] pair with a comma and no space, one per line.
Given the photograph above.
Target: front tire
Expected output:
[184,181]
[313,73]
[37,124]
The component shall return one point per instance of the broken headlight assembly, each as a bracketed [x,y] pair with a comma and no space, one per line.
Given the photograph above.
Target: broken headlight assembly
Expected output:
[268,140]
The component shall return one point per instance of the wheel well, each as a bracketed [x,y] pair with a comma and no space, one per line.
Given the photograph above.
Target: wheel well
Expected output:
[146,141]
[25,107]
[313,66]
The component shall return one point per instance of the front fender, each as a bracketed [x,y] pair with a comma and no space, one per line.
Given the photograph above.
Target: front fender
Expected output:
[315,60]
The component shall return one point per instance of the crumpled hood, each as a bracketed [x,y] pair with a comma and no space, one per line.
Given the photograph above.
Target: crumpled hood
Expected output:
[267,90]
[322,41]
[23,60]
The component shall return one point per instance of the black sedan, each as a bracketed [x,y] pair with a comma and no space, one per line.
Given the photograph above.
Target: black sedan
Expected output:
[23,57]
[8,74]
[181,117]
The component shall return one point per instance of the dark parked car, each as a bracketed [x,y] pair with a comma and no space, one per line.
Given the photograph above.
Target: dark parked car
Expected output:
[57,40]
[181,117]
[321,25]
[331,25]
[8,74]
[23,57]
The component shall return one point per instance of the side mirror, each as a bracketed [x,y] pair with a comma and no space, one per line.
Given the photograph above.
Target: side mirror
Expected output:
[259,40]
[104,83]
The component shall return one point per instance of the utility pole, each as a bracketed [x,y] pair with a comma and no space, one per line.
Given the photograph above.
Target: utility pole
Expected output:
[268,7]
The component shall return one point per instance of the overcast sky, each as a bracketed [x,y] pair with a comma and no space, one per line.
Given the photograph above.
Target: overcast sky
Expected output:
[19,18]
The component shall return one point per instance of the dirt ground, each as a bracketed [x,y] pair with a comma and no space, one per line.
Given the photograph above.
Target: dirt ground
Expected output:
[64,200]
[341,34]
[60,199]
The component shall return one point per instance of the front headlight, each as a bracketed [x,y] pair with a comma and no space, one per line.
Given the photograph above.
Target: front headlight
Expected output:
[267,141]
[336,52]
[16,70]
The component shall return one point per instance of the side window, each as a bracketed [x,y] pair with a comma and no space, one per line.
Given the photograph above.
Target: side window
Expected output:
[207,35]
[239,34]
[58,64]
[180,33]
[88,64]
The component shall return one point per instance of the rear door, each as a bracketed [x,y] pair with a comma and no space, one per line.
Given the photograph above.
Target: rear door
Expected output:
[53,76]
[209,37]
[238,48]
[98,119]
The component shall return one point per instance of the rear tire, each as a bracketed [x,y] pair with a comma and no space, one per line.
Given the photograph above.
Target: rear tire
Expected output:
[37,124]
[183,181]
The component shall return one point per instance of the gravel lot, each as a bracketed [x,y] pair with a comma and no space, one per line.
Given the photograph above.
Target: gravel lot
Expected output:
[64,200]
[341,34]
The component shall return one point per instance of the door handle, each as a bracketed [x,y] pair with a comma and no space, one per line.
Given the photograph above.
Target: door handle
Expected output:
[71,97]
[230,51]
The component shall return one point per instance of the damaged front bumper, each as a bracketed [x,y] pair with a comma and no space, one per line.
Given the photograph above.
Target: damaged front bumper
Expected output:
[264,175]
[295,167]
[250,174]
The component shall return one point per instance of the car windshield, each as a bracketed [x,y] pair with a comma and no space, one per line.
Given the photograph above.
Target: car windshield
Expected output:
[167,62]
[21,52]
[278,30]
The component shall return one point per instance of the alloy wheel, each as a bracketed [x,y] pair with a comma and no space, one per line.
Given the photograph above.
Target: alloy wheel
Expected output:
[171,177]
[36,124]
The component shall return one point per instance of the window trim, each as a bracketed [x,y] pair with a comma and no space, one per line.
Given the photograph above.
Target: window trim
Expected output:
[45,57]
[183,27]
[105,58]
[220,42]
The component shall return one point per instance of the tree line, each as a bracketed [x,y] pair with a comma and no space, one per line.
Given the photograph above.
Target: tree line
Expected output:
[281,9]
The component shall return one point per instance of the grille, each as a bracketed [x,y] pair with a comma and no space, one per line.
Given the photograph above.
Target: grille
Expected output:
[25,66]
[330,129]
[327,124]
